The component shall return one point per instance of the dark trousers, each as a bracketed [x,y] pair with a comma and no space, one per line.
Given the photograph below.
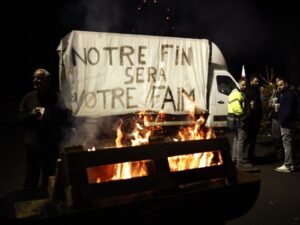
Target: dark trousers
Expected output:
[39,163]
[278,147]
[277,140]
[253,130]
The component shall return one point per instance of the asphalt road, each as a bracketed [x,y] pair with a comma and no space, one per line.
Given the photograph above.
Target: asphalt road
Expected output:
[278,201]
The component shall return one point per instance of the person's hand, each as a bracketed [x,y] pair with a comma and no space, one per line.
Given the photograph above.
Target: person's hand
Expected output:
[38,113]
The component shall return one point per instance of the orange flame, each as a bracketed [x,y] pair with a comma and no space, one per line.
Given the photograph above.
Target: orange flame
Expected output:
[140,135]
[198,131]
[119,171]
[193,161]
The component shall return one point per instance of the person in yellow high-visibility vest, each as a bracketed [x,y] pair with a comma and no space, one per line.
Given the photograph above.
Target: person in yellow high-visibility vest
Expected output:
[238,111]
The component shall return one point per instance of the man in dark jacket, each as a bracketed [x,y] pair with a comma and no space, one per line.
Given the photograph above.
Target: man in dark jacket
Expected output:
[44,116]
[287,115]
[275,126]
[253,97]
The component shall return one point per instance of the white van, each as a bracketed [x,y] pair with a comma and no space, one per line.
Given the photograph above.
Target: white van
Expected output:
[109,74]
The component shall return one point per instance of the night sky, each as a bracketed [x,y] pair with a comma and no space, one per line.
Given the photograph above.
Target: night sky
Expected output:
[257,34]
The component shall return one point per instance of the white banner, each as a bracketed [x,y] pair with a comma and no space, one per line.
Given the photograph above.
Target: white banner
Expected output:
[104,74]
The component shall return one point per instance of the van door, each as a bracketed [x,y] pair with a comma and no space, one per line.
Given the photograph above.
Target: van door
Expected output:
[222,84]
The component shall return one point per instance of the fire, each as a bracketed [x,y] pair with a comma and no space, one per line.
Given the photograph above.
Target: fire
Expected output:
[138,132]
[194,161]
[197,131]
[119,171]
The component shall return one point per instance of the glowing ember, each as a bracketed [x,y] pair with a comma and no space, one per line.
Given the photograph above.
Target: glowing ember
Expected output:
[91,149]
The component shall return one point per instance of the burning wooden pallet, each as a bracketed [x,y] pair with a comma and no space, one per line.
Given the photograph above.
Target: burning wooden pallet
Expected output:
[174,182]
[94,180]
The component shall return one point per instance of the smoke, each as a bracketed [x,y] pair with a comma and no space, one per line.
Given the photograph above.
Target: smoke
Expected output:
[104,15]
[92,132]
[92,15]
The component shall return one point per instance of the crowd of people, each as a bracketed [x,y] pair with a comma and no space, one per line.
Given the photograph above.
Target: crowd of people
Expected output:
[245,112]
